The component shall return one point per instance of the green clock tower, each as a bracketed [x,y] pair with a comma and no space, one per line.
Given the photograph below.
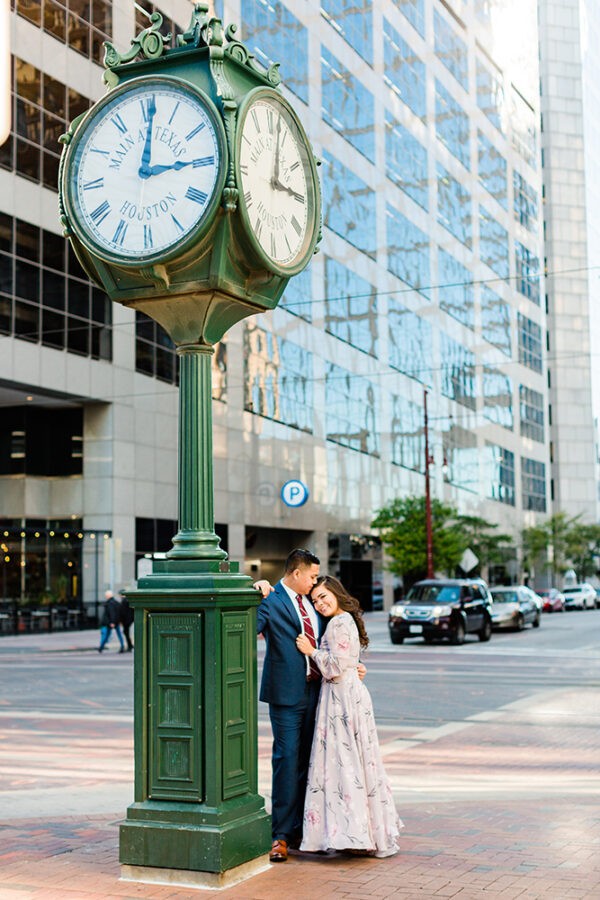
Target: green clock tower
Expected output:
[190,192]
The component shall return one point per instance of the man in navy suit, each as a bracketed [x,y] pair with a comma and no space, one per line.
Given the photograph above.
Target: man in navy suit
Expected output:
[291,688]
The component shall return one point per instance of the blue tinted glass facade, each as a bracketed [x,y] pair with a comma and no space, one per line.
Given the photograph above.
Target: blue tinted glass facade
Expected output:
[404,71]
[456,293]
[531,407]
[458,372]
[498,397]
[278,379]
[530,343]
[409,340]
[452,125]
[490,96]
[408,436]
[347,105]
[525,202]
[492,170]
[451,49]
[523,128]
[351,406]
[407,250]
[499,474]
[297,297]
[348,205]
[454,206]
[414,10]
[527,267]
[533,484]
[493,244]
[353,19]
[271,24]
[495,320]
[406,161]
[350,307]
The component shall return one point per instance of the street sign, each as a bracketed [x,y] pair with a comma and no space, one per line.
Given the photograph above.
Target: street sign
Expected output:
[294,493]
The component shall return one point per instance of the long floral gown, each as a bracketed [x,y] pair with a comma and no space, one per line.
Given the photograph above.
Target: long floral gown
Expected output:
[349,802]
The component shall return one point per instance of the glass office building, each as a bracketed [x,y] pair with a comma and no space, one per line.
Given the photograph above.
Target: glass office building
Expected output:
[425,117]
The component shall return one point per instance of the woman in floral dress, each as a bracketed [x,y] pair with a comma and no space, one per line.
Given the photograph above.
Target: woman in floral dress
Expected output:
[349,804]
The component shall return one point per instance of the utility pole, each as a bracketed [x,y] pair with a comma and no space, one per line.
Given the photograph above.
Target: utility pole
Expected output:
[428,461]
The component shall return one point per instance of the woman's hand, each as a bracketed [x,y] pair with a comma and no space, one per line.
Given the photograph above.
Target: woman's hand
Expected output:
[304,645]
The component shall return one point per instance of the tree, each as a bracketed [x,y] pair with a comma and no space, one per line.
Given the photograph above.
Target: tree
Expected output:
[583,548]
[557,532]
[402,525]
[489,547]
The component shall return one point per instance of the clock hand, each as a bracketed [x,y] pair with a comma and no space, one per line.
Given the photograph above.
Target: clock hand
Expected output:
[157,170]
[279,186]
[144,169]
[275,178]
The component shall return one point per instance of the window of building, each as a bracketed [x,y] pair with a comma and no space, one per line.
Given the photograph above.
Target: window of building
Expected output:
[498,466]
[41,111]
[456,291]
[350,307]
[406,161]
[457,372]
[350,401]
[271,24]
[528,272]
[530,343]
[83,25]
[414,10]
[493,244]
[525,202]
[492,170]
[451,49]
[349,206]
[46,442]
[454,206]
[45,297]
[410,341]
[277,379]
[297,297]
[404,71]
[497,397]
[408,436]
[353,19]
[531,405]
[495,320]
[490,96]
[533,484]
[524,128]
[462,457]
[407,250]
[452,125]
[347,105]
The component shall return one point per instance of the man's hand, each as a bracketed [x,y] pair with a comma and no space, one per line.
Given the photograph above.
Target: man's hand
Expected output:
[264,586]
[362,670]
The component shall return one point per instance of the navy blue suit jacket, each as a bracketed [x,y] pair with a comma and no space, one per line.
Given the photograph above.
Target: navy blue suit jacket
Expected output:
[284,671]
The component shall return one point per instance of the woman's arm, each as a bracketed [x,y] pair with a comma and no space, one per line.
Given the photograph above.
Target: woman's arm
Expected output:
[339,657]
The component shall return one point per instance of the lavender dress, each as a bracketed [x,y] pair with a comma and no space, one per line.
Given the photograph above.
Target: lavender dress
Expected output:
[349,802]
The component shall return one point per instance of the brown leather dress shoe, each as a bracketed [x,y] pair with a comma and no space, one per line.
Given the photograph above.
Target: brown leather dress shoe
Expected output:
[279,851]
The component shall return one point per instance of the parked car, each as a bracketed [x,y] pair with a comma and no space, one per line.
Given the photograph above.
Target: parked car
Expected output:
[580,596]
[553,600]
[443,608]
[515,607]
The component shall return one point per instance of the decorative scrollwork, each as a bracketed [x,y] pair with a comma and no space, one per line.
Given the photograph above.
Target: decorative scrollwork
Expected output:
[149,43]
[238,51]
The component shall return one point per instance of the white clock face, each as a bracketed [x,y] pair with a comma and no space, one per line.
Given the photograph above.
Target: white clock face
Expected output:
[145,170]
[276,181]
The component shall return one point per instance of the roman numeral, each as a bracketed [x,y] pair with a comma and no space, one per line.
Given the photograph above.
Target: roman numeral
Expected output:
[270,120]
[101,152]
[178,225]
[294,166]
[99,214]
[120,232]
[244,170]
[298,197]
[248,199]
[197,196]
[119,124]
[195,131]
[258,228]
[147,105]
[92,185]
[273,250]
[174,111]
[254,115]
[296,225]
[148,243]
[203,161]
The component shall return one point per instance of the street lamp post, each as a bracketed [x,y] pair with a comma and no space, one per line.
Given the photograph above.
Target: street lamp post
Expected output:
[428,461]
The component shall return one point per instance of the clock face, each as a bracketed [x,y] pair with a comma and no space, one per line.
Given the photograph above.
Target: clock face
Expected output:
[278,181]
[145,169]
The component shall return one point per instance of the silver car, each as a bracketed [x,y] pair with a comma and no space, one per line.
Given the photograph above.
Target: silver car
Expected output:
[515,607]
[580,596]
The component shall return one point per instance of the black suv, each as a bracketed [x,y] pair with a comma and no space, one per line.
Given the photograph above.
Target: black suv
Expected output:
[443,608]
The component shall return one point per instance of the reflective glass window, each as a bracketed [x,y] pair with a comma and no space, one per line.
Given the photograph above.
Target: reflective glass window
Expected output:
[492,169]
[456,291]
[525,202]
[524,128]
[457,372]
[527,267]
[498,468]
[406,161]
[531,405]
[351,406]
[452,125]
[414,10]
[497,397]
[297,297]
[451,49]
[495,320]
[143,11]
[353,19]
[82,25]
[462,458]
[407,250]
[490,96]
[278,379]
[404,71]
[533,484]
[350,307]
[454,206]
[493,244]
[408,436]
[347,105]
[410,339]
[530,343]
[268,23]
[348,205]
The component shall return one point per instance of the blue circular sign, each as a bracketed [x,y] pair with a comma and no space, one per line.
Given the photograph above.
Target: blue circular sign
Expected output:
[294,493]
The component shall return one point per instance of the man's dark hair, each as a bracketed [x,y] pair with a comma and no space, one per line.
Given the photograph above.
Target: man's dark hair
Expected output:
[299,558]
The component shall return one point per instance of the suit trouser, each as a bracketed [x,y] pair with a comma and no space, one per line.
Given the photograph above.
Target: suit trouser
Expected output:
[293,728]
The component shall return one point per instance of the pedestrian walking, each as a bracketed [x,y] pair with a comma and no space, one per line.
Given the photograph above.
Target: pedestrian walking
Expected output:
[126,620]
[110,622]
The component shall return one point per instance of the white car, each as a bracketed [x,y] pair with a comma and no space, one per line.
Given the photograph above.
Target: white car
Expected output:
[580,596]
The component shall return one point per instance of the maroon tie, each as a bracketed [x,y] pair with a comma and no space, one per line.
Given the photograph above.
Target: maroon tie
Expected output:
[315,674]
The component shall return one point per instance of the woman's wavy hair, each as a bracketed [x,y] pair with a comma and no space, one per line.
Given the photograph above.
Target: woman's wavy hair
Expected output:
[346,602]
